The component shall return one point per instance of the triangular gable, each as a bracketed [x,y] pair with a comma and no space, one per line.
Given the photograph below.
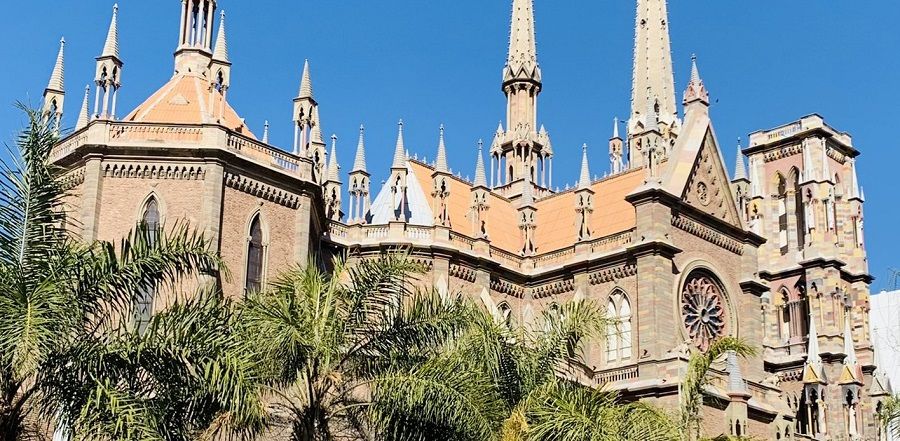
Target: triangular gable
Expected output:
[812,375]
[696,169]
[849,376]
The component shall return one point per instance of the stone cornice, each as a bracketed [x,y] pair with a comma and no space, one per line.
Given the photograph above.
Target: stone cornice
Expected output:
[131,170]
[714,237]
[261,190]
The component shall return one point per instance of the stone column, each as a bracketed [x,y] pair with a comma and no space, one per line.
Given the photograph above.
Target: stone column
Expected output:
[213,198]
[302,229]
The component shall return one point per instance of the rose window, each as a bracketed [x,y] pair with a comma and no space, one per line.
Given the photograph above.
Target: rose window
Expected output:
[703,311]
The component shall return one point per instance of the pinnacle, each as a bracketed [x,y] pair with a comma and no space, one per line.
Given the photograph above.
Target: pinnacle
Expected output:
[111,47]
[585,180]
[616,128]
[266,132]
[221,51]
[400,151]
[695,72]
[306,90]
[480,178]
[83,116]
[521,61]
[359,164]
[333,167]
[740,168]
[440,163]
[57,78]
[652,74]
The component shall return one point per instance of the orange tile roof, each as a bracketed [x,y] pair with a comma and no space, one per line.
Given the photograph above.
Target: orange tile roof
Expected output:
[555,217]
[187,99]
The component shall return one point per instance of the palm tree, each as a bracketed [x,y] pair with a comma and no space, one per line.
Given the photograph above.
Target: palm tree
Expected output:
[889,415]
[697,378]
[502,383]
[326,339]
[56,292]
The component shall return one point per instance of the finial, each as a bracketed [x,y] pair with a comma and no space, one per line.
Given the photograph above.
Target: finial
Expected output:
[266,132]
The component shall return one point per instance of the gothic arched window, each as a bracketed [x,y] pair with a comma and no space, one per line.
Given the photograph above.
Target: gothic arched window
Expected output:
[618,333]
[143,305]
[799,210]
[781,194]
[255,256]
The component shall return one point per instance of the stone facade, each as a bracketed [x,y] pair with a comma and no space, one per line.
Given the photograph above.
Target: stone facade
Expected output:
[669,242]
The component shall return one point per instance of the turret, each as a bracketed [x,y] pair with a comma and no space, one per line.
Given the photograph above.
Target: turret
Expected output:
[316,150]
[440,192]
[480,195]
[360,182]
[55,93]
[740,183]
[220,65]
[108,75]
[304,107]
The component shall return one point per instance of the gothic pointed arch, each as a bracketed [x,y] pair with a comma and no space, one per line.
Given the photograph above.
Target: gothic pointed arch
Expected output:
[255,262]
[619,331]
[150,221]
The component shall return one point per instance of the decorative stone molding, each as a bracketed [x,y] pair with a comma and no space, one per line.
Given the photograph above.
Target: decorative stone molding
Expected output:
[153,171]
[507,288]
[462,272]
[260,190]
[555,288]
[72,179]
[836,155]
[612,274]
[784,152]
[708,234]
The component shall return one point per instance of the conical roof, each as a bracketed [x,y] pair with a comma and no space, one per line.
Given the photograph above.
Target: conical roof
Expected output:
[740,168]
[400,150]
[83,116]
[221,51]
[440,162]
[359,164]
[584,180]
[306,90]
[480,177]
[333,167]
[111,47]
[57,78]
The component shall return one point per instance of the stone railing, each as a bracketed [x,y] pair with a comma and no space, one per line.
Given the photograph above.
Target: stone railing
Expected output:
[113,133]
[425,235]
[614,375]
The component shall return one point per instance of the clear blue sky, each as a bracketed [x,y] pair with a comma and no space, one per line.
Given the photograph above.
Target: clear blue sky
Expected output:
[767,62]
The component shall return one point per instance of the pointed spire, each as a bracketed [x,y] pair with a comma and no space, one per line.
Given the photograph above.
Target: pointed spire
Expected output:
[616,128]
[221,51]
[111,47]
[400,150]
[57,78]
[585,180]
[333,167]
[852,371]
[83,116]
[812,370]
[740,169]
[306,90]
[695,91]
[266,132]
[480,177]
[652,73]
[359,164]
[316,131]
[521,62]
[440,163]
[854,181]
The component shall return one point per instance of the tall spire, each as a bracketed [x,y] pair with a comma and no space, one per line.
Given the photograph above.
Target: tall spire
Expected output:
[521,62]
[652,76]
[740,169]
[83,116]
[400,150]
[306,90]
[584,180]
[111,47]
[359,164]
[440,163]
[57,78]
[480,177]
[333,168]
[221,51]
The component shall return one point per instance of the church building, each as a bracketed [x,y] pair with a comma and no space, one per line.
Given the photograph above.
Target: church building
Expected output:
[679,248]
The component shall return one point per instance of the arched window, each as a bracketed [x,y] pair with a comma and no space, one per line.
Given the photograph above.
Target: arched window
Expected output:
[143,306]
[799,210]
[618,333]
[255,255]
[505,312]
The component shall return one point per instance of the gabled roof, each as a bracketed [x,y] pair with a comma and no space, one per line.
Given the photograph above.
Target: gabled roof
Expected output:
[185,99]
